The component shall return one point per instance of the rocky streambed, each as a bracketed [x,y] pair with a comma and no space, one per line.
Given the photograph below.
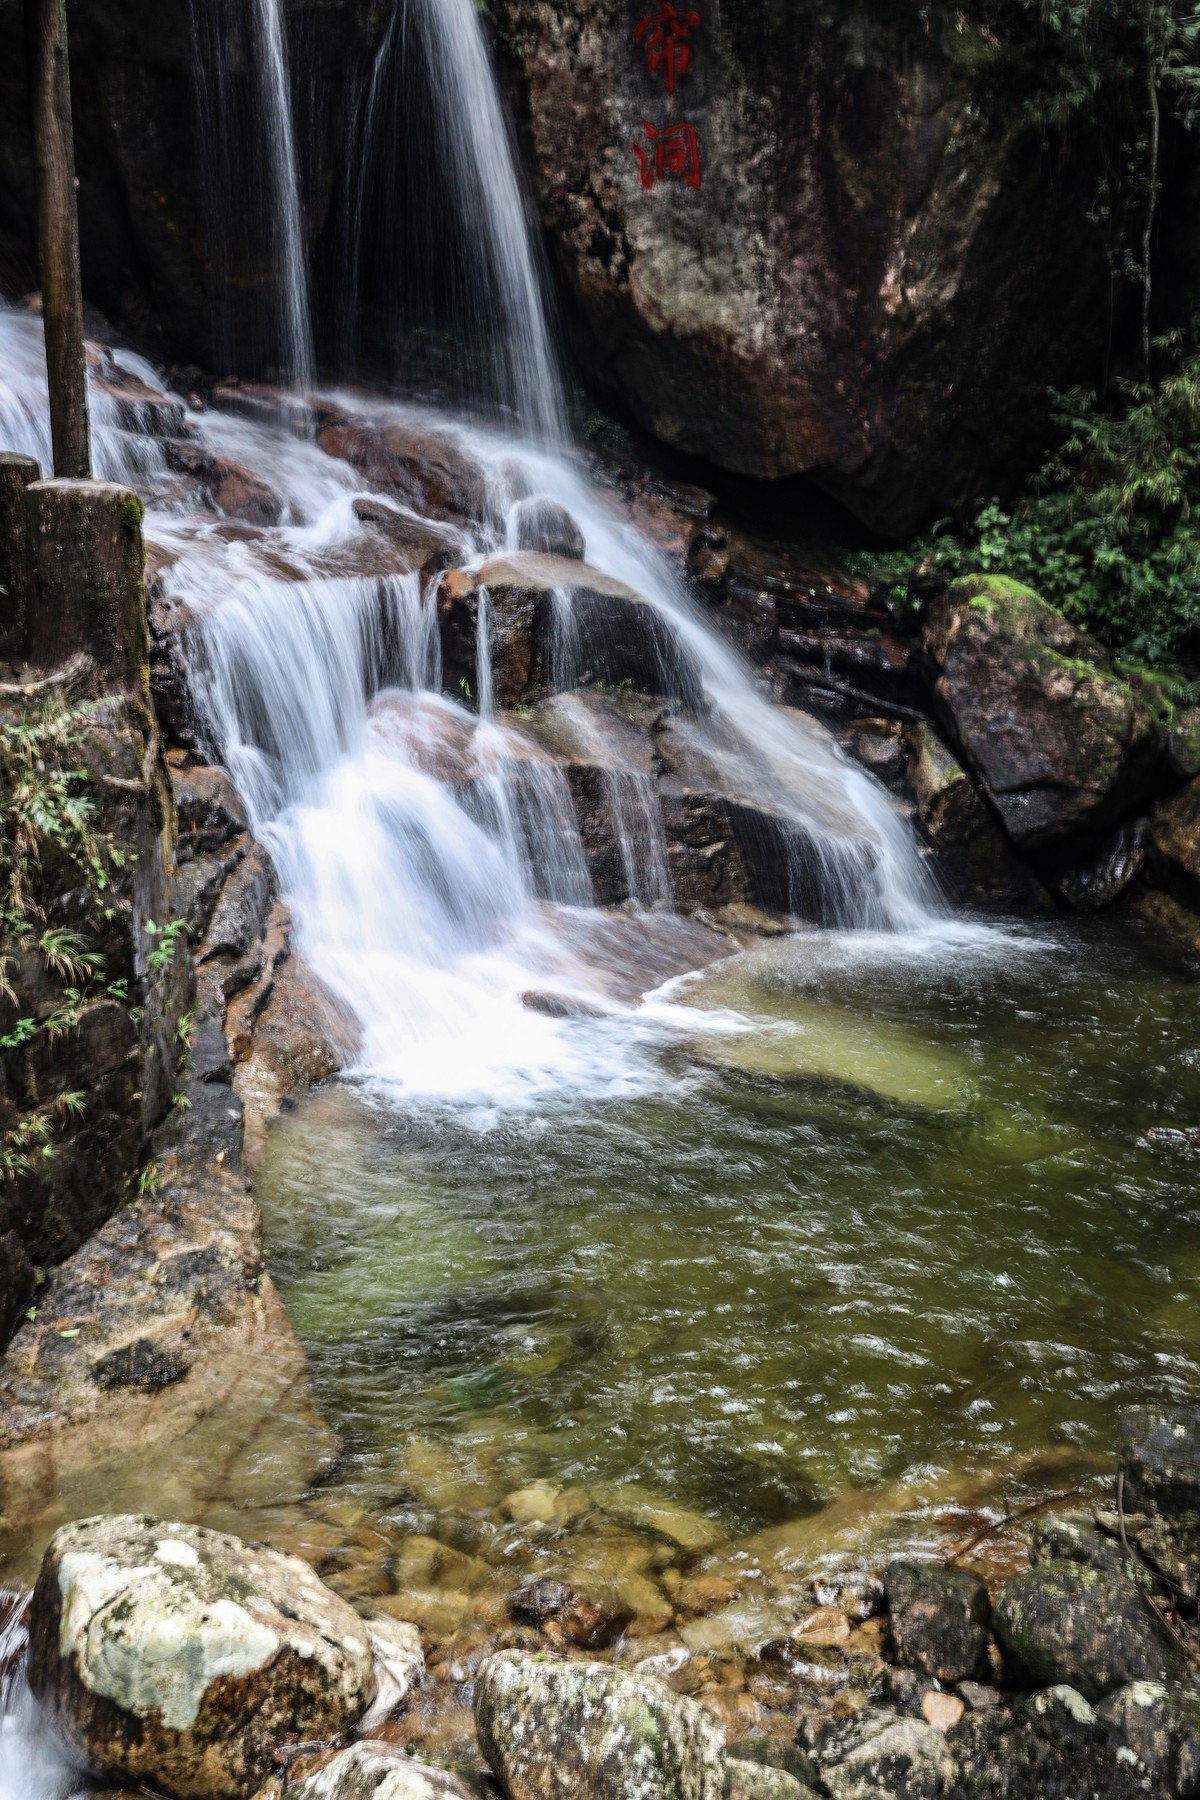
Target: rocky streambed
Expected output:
[180,1661]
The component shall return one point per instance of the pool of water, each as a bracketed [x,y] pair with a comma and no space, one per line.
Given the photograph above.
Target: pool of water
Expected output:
[892,1236]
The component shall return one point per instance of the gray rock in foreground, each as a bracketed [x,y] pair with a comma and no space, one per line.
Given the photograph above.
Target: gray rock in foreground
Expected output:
[369,1771]
[556,1730]
[891,1757]
[179,1658]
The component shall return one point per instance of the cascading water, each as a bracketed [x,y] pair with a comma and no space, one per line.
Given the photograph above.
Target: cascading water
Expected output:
[471,158]
[279,140]
[430,855]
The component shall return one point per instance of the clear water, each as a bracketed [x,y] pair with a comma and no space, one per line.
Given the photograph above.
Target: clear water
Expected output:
[890,1233]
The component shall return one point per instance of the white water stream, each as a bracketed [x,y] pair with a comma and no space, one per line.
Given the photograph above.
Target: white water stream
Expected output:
[432,865]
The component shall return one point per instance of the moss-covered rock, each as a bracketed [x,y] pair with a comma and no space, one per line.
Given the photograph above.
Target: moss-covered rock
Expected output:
[1061,743]
[370,1771]
[1061,1622]
[556,1730]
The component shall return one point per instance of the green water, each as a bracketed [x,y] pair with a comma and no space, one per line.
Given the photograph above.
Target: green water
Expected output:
[904,1238]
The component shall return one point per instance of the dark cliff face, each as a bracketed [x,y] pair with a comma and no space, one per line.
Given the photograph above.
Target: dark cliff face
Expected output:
[866,266]
[869,272]
[176,216]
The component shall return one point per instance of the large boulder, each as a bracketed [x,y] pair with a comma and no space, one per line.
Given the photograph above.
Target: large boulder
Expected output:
[856,261]
[1160,1726]
[1061,1622]
[938,1619]
[1061,744]
[1053,1746]
[556,1730]
[553,621]
[179,1658]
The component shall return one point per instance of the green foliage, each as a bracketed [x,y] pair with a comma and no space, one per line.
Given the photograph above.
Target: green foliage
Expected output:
[166,938]
[46,809]
[1110,531]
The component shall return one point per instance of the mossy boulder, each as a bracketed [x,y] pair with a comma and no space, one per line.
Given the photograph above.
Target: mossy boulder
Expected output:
[1160,1726]
[1064,1623]
[1061,744]
[557,1730]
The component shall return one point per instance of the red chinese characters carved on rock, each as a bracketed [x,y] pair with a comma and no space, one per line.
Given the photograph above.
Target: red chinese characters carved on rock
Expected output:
[672,153]
[664,35]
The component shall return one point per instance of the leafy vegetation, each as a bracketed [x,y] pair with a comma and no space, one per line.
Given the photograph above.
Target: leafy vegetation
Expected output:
[1110,529]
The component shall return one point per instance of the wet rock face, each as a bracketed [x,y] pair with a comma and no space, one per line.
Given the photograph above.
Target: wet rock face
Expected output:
[855,261]
[555,1730]
[1061,744]
[1175,843]
[1094,1631]
[551,621]
[939,1620]
[178,1657]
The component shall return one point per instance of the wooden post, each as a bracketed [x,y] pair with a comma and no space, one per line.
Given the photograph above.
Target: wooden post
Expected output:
[88,578]
[16,473]
[58,233]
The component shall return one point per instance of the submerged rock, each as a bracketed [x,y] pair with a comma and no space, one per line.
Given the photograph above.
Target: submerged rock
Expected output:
[556,1730]
[178,1657]
[1061,1622]
[1061,744]
[938,1619]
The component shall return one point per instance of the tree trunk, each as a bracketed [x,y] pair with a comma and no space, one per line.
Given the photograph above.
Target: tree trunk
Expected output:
[1152,202]
[58,234]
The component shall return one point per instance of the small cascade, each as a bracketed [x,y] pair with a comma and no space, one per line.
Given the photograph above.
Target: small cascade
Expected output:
[279,139]
[466,162]
[251,188]
[33,1765]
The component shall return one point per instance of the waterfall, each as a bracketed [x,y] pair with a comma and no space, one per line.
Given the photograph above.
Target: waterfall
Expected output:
[467,166]
[296,334]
